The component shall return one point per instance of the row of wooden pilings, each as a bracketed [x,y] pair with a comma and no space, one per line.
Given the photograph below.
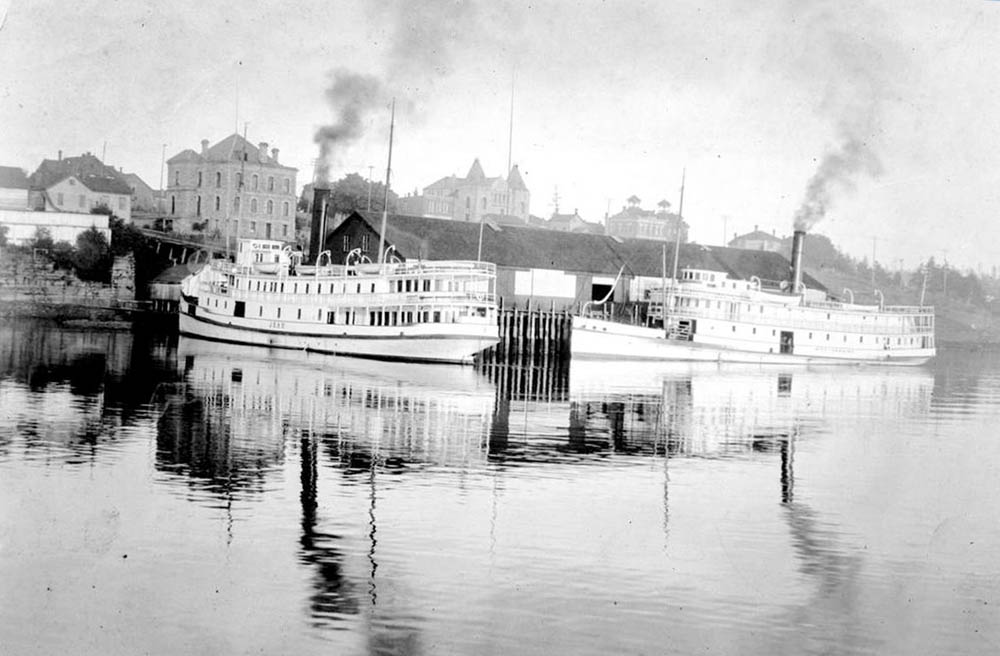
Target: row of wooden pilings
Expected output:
[532,335]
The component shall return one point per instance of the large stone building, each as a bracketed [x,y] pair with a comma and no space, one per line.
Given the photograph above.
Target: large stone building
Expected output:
[472,198]
[232,188]
[633,222]
[80,185]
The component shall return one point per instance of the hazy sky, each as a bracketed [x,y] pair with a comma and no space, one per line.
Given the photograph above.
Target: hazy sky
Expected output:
[895,102]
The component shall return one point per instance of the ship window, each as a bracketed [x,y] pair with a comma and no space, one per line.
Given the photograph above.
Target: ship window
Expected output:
[437,316]
[307,288]
[282,288]
[845,338]
[810,335]
[755,330]
[828,337]
[773,333]
[331,317]
[373,288]
[298,314]
[734,328]
[279,313]
[861,340]
[319,314]
[260,310]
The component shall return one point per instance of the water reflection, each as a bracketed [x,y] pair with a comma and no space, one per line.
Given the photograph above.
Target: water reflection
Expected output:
[589,507]
[71,392]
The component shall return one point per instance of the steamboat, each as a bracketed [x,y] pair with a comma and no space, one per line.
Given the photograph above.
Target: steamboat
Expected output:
[709,316]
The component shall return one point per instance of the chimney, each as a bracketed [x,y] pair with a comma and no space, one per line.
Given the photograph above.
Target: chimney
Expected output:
[797,240]
[204,146]
[262,150]
[274,155]
[317,234]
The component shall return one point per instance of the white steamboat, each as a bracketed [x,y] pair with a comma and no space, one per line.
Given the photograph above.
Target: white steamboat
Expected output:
[708,316]
[438,311]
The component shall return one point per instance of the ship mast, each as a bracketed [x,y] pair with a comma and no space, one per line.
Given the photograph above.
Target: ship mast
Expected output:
[677,249]
[385,203]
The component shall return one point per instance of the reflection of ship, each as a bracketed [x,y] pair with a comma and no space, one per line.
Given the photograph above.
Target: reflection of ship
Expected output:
[239,403]
[707,408]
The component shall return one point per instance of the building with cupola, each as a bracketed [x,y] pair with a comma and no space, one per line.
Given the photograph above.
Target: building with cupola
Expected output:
[232,188]
[473,198]
[634,222]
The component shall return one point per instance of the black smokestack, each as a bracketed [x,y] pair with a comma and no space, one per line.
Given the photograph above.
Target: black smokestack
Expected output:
[797,241]
[317,234]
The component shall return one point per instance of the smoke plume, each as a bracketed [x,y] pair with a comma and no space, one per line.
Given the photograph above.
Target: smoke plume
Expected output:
[351,97]
[838,171]
[423,40]
[854,60]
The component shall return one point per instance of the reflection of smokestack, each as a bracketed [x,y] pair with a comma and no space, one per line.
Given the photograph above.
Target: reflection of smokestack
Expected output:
[797,240]
[317,235]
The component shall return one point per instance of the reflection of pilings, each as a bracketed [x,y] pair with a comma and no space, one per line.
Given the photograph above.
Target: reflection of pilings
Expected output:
[787,446]
[540,380]
[332,594]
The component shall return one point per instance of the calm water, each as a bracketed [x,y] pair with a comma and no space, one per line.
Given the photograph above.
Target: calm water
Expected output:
[177,496]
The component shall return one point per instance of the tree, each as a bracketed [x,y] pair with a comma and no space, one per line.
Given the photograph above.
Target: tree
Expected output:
[351,193]
[92,258]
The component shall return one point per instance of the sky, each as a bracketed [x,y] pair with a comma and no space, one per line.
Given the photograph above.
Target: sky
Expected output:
[874,123]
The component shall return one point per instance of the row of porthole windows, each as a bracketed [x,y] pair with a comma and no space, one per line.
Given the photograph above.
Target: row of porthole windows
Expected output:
[275,287]
[255,180]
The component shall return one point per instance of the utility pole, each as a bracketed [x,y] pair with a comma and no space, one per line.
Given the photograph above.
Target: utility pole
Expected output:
[370,169]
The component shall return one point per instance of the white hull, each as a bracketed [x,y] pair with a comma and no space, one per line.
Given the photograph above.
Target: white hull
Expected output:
[599,338]
[423,343]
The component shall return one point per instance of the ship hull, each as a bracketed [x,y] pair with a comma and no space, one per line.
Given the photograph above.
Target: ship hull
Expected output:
[457,345]
[602,339]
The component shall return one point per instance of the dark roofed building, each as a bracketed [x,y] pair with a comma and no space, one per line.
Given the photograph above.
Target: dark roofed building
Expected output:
[80,184]
[13,188]
[548,268]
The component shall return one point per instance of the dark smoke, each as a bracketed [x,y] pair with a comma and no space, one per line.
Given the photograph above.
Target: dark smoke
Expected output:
[351,97]
[855,59]
[837,172]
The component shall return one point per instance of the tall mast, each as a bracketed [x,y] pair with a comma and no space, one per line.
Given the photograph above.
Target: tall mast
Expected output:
[680,223]
[388,172]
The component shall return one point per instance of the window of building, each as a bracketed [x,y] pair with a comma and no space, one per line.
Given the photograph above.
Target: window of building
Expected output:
[253,226]
[218,179]
[239,180]
[253,182]
[198,211]
[270,183]
[270,207]
[346,244]
[364,243]
[173,204]
[253,205]
[236,204]
[177,178]
[218,203]
[284,208]
[199,178]
[284,229]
